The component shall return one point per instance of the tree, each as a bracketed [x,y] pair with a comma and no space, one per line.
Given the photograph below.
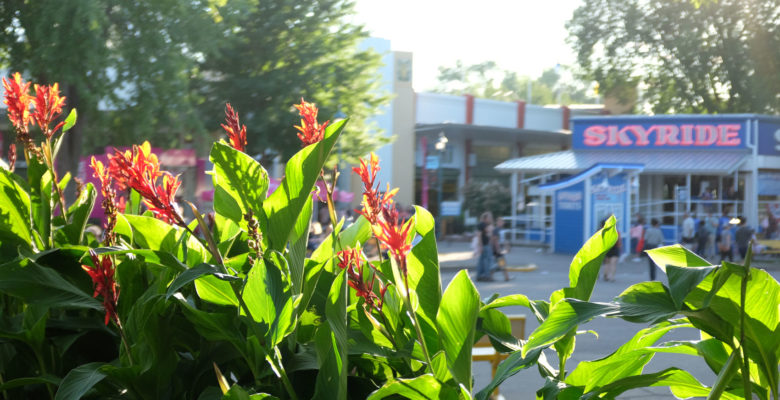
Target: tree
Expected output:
[487,196]
[124,65]
[685,56]
[487,80]
[272,53]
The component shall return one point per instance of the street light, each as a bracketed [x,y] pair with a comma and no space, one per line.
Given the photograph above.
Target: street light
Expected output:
[440,146]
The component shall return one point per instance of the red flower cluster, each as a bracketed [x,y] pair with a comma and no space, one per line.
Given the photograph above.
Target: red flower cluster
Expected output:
[102,274]
[235,131]
[109,199]
[139,170]
[352,261]
[310,131]
[381,213]
[372,199]
[48,107]
[18,99]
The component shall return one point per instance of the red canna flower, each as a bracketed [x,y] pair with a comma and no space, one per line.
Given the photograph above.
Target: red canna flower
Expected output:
[109,199]
[48,107]
[18,99]
[351,260]
[310,131]
[372,199]
[235,131]
[102,274]
[139,170]
[394,234]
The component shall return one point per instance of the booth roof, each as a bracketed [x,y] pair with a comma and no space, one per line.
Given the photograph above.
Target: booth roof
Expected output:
[655,162]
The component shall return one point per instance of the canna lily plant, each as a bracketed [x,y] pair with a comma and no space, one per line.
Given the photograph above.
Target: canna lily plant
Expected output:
[227,303]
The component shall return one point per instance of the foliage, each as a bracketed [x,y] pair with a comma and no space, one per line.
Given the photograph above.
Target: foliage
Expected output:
[685,56]
[487,196]
[487,80]
[162,308]
[272,53]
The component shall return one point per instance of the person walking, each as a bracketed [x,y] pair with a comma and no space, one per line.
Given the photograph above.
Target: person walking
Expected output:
[724,243]
[688,239]
[485,261]
[499,248]
[742,237]
[653,238]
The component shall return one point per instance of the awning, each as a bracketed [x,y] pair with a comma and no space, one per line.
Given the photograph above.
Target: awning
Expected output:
[654,162]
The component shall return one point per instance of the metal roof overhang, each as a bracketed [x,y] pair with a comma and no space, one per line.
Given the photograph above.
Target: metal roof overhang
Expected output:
[669,162]
[493,133]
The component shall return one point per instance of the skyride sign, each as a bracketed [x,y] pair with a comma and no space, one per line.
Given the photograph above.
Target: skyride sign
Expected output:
[665,132]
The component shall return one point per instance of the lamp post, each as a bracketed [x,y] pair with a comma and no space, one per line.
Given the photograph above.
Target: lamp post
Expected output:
[440,146]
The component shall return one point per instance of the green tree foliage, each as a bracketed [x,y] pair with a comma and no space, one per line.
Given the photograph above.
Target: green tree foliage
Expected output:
[487,196]
[685,56]
[144,69]
[272,53]
[487,80]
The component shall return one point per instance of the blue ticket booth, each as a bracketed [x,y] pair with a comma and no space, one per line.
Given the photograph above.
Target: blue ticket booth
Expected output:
[582,202]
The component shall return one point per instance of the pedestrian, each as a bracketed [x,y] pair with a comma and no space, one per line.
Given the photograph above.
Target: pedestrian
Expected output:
[611,258]
[485,260]
[688,233]
[724,243]
[701,238]
[653,238]
[499,249]
[742,237]
[637,233]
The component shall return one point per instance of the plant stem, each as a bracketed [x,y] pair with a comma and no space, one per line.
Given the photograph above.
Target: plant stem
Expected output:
[123,338]
[50,164]
[42,365]
[742,296]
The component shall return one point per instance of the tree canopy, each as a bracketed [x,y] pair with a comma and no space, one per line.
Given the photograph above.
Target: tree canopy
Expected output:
[165,69]
[683,56]
[488,80]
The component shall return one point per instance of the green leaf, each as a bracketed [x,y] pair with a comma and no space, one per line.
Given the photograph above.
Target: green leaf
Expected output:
[300,174]
[70,121]
[153,234]
[584,269]
[214,290]
[299,239]
[36,284]
[676,255]
[682,384]
[645,302]
[79,381]
[79,213]
[564,317]
[628,360]
[331,344]
[268,296]
[508,301]
[508,368]
[456,323]
[14,213]
[423,272]
[421,387]
[215,326]
[33,380]
[188,276]
[241,178]
[683,279]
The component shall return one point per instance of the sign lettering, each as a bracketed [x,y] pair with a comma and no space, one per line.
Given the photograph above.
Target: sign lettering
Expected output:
[663,135]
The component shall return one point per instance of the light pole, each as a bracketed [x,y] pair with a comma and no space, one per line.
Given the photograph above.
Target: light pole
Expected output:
[440,146]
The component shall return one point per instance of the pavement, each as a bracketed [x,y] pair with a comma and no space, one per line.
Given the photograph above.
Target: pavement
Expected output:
[551,274]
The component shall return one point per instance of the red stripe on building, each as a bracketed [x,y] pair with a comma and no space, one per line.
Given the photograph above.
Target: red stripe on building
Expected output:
[520,114]
[469,109]
[566,118]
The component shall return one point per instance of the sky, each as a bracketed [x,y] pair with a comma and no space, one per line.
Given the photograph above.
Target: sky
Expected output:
[524,36]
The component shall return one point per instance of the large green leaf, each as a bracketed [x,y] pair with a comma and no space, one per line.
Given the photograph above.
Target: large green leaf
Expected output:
[79,381]
[423,272]
[188,276]
[241,178]
[508,301]
[153,234]
[456,323]
[33,380]
[646,302]
[676,255]
[421,387]
[508,368]
[14,213]
[564,317]
[299,239]
[682,384]
[331,344]
[300,174]
[40,285]
[585,266]
[79,213]
[268,296]
[214,290]
[628,360]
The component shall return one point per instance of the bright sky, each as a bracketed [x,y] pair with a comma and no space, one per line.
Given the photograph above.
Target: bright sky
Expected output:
[525,36]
